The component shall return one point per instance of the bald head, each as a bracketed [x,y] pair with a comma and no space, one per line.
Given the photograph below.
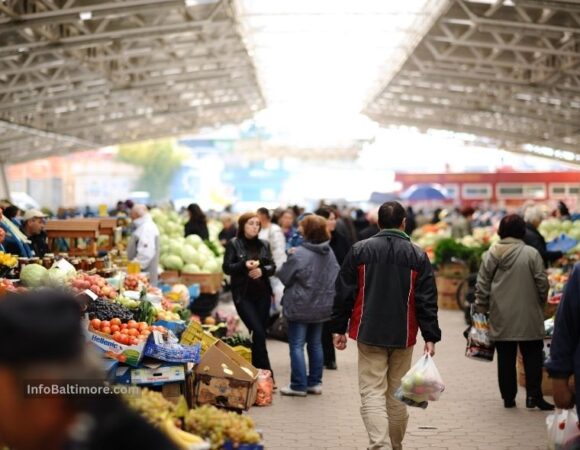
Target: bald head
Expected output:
[138,210]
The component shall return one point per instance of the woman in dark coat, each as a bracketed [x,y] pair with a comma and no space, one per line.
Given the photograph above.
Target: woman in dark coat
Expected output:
[249,263]
[197,223]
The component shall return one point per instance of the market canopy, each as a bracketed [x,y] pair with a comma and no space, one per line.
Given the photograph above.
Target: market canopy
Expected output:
[82,74]
[504,70]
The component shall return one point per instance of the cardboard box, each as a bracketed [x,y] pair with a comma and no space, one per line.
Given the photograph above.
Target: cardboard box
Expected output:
[170,277]
[224,379]
[194,333]
[158,375]
[129,354]
[209,283]
[173,391]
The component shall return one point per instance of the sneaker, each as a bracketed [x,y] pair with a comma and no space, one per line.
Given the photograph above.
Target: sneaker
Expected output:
[287,390]
[316,390]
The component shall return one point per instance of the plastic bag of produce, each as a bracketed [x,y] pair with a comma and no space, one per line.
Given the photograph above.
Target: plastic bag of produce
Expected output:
[563,431]
[421,384]
[479,345]
[265,388]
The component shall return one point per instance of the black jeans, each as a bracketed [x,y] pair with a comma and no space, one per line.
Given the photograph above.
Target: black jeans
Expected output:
[327,344]
[532,353]
[255,314]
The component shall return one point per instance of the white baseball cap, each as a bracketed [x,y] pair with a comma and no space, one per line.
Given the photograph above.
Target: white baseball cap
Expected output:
[33,214]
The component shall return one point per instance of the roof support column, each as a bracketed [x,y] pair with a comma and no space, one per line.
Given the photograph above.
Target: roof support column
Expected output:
[4,187]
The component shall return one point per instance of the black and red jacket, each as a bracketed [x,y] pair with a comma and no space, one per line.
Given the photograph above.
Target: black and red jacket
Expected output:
[386,292]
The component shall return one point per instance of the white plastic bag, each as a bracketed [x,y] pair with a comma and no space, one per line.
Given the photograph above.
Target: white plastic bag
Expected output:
[563,431]
[421,384]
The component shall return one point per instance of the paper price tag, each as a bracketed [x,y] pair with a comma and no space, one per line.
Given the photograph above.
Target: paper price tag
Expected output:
[91,294]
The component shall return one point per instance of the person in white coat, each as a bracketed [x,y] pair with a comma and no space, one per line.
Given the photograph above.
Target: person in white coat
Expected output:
[144,243]
[273,234]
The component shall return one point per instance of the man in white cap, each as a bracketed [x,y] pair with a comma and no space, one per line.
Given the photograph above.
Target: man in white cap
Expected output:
[31,239]
[144,244]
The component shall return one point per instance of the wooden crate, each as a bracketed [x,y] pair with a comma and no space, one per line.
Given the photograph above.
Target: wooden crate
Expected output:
[453,270]
[546,382]
[447,285]
[446,301]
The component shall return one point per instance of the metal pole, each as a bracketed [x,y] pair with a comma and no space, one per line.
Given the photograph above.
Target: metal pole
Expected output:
[4,187]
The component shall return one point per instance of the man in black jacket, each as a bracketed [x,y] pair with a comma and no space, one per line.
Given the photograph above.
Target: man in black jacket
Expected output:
[385,293]
[533,217]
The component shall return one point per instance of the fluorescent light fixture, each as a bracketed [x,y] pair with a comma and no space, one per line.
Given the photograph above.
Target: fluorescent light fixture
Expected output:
[86,15]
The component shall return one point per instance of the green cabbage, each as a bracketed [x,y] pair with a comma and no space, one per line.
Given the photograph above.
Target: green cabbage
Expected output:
[173,262]
[33,275]
[56,277]
[191,268]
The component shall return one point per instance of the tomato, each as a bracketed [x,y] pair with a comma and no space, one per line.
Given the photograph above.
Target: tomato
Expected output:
[125,331]
[105,324]
[122,358]
[96,324]
[106,330]
[132,324]
[134,341]
[115,328]
[133,332]
[117,336]
[145,333]
[124,339]
[124,326]
[116,321]
[143,326]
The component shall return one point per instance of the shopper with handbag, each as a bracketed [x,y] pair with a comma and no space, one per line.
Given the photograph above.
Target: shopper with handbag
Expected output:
[512,287]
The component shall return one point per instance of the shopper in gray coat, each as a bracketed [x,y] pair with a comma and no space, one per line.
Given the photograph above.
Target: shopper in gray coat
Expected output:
[309,277]
[512,286]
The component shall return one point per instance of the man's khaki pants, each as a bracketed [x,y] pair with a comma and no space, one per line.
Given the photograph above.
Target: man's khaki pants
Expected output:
[379,373]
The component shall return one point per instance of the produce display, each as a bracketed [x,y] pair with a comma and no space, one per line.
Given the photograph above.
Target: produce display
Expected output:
[103,309]
[95,283]
[189,254]
[552,228]
[7,260]
[128,333]
[219,426]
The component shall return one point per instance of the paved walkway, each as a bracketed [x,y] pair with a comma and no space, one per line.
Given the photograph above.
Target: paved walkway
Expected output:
[469,416]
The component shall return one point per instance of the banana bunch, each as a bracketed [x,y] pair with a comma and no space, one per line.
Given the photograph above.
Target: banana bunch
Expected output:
[8,260]
[182,439]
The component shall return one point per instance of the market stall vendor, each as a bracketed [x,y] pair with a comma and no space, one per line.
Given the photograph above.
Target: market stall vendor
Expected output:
[42,343]
[144,243]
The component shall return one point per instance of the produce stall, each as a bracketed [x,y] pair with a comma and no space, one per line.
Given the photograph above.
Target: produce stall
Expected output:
[147,338]
[455,259]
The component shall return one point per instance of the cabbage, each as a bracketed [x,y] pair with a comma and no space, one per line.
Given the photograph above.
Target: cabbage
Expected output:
[33,275]
[174,247]
[191,268]
[173,262]
[202,259]
[212,266]
[56,277]
[194,240]
[188,254]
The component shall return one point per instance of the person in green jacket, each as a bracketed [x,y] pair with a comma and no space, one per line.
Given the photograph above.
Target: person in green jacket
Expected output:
[513,287]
